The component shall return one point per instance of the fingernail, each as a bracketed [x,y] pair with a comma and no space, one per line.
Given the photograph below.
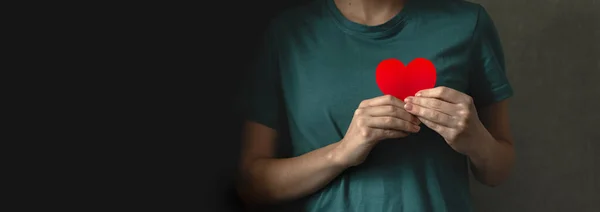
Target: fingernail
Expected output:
[408,99]
[417,128]
[408,106]
[418,94]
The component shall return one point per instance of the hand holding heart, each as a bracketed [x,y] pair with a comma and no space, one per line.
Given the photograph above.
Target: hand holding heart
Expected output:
[374,120]
[450,113]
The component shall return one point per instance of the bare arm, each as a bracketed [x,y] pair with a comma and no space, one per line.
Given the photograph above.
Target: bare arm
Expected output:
[495,156]
[266,179]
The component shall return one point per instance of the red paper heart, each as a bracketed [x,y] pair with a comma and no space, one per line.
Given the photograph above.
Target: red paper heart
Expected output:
[401,81]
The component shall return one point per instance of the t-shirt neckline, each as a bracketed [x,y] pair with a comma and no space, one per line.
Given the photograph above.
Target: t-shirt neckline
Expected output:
[378,31]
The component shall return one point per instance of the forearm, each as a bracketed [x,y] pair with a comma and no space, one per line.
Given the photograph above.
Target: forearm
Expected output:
[269,180]
[491,159]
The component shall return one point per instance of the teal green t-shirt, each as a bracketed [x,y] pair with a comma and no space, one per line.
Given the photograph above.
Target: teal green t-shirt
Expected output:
[317,66]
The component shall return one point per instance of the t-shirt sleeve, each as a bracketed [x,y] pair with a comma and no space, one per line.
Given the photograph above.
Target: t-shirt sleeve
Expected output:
[488,83]
[262,98]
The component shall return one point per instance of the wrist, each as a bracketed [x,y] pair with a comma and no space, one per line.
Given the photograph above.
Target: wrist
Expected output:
[338,156]
[480,144]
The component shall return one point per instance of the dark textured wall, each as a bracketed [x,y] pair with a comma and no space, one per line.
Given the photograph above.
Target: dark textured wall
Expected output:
[552,50]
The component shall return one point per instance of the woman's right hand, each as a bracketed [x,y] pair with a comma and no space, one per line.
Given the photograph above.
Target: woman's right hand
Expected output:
[376,119]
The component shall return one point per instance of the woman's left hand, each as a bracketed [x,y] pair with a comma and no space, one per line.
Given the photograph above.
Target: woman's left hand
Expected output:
[450,113]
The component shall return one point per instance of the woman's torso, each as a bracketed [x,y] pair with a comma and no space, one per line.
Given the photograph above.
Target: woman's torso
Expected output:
[327,67]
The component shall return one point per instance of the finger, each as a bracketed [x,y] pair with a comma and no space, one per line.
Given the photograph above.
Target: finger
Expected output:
[381,100]
[440,129]
[386,134]
[429,114]
[391,110]
[444,93]
[392,123]
[433,103]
